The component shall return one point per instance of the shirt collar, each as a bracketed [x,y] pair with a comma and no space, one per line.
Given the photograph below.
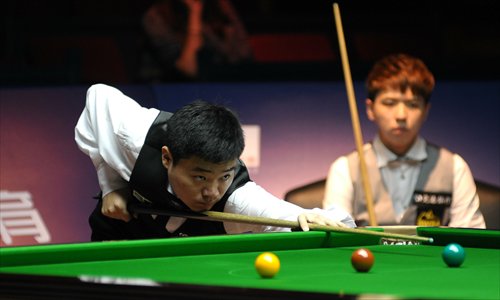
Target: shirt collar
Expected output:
[417,152]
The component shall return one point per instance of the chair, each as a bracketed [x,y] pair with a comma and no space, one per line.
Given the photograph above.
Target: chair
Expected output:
[307,196]
[489,197]
[311,195]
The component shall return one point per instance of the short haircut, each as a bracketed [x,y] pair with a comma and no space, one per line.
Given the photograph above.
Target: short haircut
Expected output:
[400,71]
[209,131]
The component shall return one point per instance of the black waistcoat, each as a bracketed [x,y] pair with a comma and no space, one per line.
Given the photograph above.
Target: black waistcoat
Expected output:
[150,179]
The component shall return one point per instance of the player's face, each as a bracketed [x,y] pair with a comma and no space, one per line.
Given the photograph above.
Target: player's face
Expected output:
[199,183]
[399,117]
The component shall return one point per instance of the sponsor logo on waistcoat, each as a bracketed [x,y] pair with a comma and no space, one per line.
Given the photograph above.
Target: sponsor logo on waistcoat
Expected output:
[431,207]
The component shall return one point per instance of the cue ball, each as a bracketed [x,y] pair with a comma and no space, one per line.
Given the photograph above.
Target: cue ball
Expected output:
[267,264]
[362,260]
[453,255]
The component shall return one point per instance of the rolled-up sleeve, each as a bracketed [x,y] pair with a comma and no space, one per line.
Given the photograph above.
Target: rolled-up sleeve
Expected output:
[111,131]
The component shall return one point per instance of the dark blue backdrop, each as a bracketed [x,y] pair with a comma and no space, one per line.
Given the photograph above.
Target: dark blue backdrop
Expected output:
[304,127]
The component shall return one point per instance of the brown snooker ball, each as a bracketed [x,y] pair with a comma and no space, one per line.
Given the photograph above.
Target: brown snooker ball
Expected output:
[362,260]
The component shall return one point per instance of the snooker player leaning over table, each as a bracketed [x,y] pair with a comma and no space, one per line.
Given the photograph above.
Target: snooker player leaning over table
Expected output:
[413,182]
[186,162]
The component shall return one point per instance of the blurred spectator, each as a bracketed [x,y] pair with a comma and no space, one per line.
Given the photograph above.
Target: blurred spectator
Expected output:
[192,40]
[414,182]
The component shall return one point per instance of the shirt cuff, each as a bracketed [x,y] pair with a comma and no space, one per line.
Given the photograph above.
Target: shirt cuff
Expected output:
[109,179]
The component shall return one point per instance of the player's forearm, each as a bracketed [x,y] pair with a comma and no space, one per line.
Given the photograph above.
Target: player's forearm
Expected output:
[109,179]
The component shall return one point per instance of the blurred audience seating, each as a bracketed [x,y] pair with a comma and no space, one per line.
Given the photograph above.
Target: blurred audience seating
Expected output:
[291,47]
[81,58]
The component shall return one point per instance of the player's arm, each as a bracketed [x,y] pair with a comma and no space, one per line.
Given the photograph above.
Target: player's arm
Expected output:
[253,200]
[338,188]
[111,130]
[465,203]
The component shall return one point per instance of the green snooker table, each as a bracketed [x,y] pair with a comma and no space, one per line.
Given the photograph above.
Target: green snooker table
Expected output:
[314,265]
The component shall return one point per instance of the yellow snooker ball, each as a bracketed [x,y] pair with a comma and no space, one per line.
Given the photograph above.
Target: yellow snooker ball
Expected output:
[267,264]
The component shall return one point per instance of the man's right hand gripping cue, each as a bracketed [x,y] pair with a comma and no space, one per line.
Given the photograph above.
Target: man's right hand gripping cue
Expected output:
[114,204]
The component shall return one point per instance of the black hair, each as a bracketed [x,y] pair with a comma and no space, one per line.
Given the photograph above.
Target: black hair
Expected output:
[211,132]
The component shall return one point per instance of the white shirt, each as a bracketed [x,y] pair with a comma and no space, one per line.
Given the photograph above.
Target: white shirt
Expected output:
[400,182]
[111,131]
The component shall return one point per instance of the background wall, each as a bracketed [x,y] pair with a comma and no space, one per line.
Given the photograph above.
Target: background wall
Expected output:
[304,126]
[47,184]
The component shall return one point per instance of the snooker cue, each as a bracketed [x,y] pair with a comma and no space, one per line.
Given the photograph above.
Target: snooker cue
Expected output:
[358,138]
[136,208]
[403,229]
